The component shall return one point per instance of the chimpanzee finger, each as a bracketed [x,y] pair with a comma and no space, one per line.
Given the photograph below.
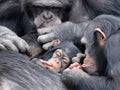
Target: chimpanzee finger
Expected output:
[22,46]
[2,47]
[75,65]
[44,30]
[28,52]
[75,59]
[80,55]
[78,58]
[8,45]
[46,38]
[48,46]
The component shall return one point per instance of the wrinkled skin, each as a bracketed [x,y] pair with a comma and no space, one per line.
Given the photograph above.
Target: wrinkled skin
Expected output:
[10,41]
[64,31]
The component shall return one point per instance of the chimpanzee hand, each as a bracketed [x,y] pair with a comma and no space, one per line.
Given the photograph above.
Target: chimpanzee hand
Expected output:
[79,57]
[73,74]
[47,35]
[64,31]
[10,41]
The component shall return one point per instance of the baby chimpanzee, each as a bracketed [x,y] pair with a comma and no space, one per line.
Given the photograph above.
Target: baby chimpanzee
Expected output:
[59,57]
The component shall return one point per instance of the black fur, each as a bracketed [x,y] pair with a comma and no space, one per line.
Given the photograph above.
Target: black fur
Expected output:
[18,73]
[106,58]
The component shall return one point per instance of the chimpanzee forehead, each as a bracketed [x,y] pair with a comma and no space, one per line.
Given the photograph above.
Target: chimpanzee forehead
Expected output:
[63,52]
[53,3]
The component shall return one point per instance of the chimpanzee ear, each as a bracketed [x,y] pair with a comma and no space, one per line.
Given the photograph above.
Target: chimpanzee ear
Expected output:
[100,36]
[56,42]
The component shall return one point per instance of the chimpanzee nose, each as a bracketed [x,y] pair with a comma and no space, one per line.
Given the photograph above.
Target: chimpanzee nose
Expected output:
[47,15]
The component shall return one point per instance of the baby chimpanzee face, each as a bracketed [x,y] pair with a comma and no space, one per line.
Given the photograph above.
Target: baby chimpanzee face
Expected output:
[58,62]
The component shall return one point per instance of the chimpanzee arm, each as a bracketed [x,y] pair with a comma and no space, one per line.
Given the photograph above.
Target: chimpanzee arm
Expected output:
[10,41]
[80,80]
[64,31]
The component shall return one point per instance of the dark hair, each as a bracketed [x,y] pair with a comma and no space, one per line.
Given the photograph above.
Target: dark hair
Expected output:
[67,46]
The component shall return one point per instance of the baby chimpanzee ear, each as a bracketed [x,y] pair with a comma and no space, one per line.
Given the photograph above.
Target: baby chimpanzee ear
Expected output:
[100,36]
[56,42]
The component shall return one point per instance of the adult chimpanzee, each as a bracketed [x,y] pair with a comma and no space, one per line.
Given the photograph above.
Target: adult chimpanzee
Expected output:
[18,73]
[13,19]
[45,14]
[59,57]
[102,40]
[82,10]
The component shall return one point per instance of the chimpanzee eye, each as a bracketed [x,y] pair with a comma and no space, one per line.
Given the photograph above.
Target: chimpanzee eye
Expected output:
[56,10]
[58,54]
[65,60]
[38,10]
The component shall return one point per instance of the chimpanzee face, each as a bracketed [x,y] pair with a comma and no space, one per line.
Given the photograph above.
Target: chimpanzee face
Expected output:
[94,41]
[89,64]
[59,61]
[46,17]
[48,12]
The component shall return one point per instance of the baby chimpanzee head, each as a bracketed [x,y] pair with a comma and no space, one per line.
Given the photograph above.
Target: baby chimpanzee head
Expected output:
[60,57]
